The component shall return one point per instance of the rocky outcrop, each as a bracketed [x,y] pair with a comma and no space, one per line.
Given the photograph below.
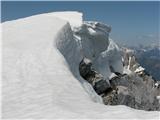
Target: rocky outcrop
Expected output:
[134,90]
[99,84]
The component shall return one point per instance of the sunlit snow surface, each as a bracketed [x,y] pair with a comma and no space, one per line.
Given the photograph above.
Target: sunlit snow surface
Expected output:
[37,81]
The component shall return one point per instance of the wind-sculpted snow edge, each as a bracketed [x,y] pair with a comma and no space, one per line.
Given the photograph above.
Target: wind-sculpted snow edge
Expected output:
[37,81]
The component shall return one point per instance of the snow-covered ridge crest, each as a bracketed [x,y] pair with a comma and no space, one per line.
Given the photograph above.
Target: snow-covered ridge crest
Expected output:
[41,55]
[74,18]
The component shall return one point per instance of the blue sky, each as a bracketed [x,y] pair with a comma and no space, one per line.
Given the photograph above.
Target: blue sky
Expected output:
[133,23]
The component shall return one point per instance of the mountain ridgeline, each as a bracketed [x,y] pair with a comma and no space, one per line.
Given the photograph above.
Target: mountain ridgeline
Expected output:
[149,58]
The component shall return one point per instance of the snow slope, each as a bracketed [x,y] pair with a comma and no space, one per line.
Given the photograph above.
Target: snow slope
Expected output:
[40,72]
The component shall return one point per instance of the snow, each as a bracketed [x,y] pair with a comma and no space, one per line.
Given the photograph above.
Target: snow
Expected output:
[130,58]
[112,76]
[111,57]
[97,47]
[40,72]
[156,84]
[74,18]
[158,97]
[139,69]
[87,61]
[127,71]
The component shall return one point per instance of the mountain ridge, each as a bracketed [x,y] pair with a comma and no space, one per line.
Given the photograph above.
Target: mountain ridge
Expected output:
[40,71]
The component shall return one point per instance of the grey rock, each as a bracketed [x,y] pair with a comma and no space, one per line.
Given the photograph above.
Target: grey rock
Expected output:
[136,91]
[85,67]
[101,86]
[95,79]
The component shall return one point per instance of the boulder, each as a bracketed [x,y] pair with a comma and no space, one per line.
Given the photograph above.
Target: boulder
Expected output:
[101,86]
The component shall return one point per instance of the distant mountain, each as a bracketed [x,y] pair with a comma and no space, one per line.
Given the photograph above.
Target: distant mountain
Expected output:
[149,58]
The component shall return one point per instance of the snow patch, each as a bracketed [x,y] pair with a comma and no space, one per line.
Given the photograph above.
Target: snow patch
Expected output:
[139,69]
